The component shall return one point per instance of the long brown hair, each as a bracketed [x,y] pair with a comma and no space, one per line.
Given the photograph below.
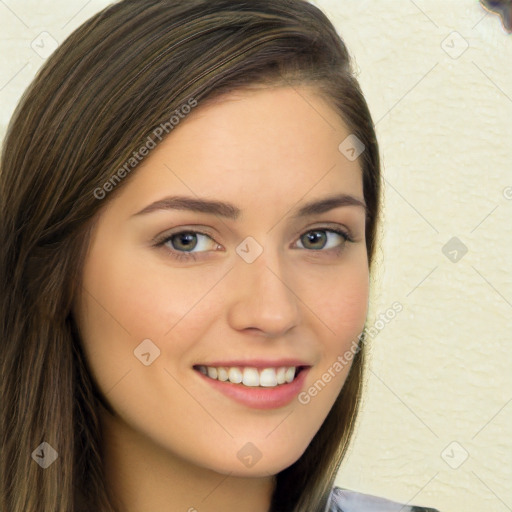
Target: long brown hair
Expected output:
[91,106]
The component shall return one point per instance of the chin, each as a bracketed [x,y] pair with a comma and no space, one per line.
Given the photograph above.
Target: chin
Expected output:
[253,462]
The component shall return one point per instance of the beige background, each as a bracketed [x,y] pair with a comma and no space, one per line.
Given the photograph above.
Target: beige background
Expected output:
[435,428]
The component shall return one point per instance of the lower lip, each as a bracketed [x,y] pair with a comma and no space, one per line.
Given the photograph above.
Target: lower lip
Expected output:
[260,397]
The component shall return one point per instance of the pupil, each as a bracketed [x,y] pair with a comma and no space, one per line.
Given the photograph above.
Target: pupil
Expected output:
[186,239]
[314,237]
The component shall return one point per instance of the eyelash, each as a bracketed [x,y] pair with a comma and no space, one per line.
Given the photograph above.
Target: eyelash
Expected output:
[184,255]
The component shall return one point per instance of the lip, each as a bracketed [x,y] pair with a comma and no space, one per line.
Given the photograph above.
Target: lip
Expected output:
[259,397]
[256,363]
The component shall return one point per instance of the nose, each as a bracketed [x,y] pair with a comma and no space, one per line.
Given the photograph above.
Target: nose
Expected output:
[262,297]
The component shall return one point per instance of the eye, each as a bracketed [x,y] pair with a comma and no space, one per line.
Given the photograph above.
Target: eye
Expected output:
[185,244]
[323,238]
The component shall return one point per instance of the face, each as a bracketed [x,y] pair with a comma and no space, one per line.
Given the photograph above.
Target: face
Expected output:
[184,288]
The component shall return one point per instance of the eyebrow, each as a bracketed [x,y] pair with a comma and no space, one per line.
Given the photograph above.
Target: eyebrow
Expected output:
[231,211]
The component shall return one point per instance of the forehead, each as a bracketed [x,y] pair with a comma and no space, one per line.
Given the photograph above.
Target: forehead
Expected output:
[265,142]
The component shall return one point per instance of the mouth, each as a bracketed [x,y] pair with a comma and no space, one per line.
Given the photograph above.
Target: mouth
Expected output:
[252,377]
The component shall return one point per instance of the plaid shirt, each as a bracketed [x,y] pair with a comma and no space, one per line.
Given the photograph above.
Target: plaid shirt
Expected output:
[343,500]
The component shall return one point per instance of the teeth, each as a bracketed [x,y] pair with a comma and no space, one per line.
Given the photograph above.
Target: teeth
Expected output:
[235,375]
[290,374]
[222,374]
[268,377]
[251,377]
[281,375]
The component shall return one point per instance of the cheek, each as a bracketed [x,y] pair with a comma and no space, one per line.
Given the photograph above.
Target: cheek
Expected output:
[342,302]
[140,297]
[129,299]
[339,300]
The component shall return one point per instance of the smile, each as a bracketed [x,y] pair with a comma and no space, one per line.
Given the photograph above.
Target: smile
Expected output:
[250,376]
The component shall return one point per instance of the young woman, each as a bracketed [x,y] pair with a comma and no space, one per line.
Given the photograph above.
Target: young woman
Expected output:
[190,194]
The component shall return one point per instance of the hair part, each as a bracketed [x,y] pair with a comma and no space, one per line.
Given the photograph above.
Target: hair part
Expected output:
[91,106]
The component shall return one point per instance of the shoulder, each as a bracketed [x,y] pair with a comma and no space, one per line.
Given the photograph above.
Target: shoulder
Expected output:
[343,500]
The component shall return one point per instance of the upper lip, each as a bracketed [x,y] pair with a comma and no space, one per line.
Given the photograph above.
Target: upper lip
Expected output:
[256,363]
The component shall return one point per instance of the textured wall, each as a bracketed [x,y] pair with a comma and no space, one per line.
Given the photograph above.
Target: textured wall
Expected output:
[438,79]
[440,371]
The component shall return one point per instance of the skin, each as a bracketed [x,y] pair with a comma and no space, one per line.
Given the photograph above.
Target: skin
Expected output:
[173,445]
